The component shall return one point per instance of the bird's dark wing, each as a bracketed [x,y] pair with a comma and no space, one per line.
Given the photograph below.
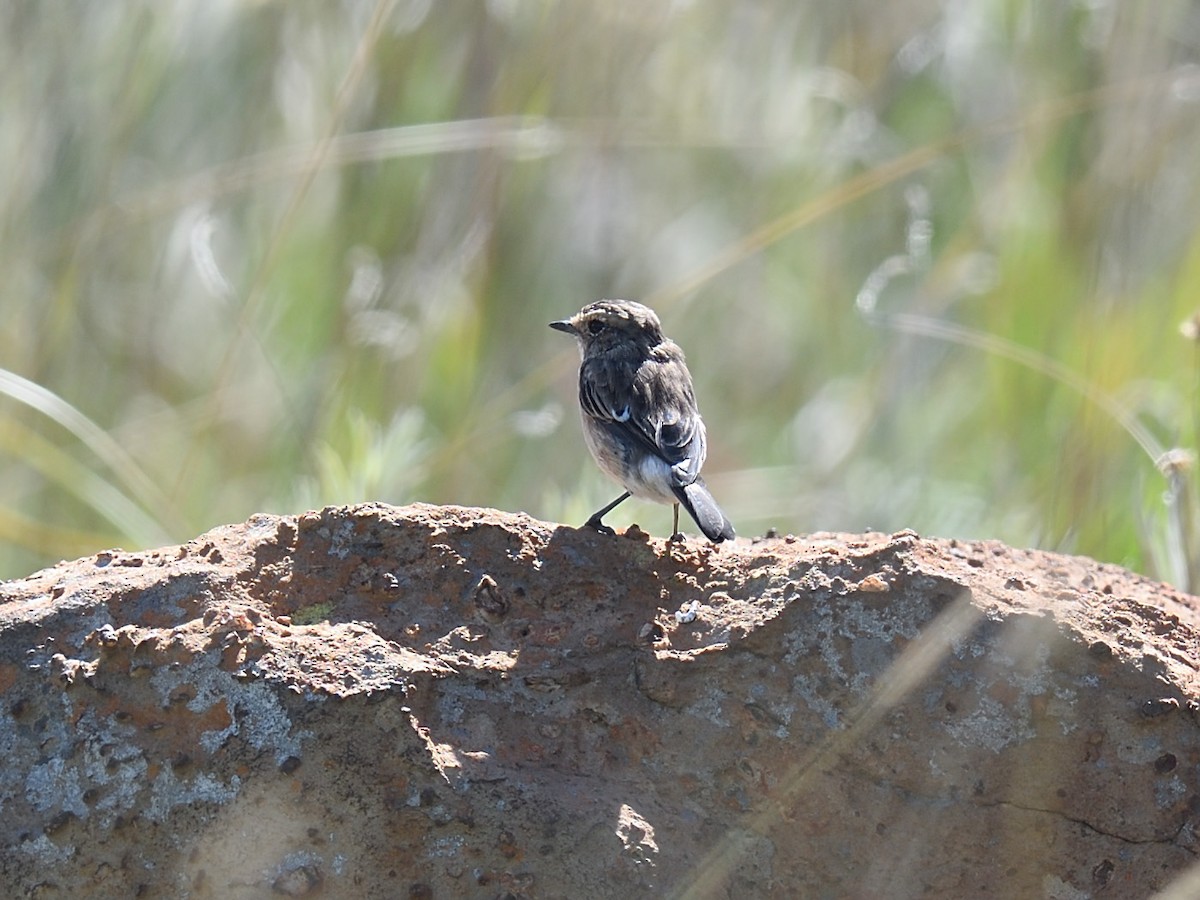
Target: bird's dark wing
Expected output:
[656,409]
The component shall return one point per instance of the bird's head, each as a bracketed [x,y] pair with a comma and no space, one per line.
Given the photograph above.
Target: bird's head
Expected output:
[609,324]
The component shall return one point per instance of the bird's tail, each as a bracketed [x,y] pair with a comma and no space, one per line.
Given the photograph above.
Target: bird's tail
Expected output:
[701,506]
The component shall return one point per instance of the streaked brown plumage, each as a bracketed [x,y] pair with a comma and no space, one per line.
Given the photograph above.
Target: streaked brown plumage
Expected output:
[639,412]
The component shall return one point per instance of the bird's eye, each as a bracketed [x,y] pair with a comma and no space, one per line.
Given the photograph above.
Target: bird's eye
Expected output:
[595,326]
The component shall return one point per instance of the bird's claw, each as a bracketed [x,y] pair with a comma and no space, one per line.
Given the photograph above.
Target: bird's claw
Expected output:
[599,526]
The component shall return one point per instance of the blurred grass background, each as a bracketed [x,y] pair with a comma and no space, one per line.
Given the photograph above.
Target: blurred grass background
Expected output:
[929,261]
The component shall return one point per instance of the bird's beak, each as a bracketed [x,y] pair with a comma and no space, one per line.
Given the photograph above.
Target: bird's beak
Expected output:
[565,325]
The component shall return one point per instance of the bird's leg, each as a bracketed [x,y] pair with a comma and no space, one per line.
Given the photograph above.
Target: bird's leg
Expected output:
[594,521]
[676,535]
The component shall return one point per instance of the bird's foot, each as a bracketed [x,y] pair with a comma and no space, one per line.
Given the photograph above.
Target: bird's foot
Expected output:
[594,522]
[677,538]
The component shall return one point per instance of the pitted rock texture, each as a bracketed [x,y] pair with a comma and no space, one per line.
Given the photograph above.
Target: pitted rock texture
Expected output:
[425,701]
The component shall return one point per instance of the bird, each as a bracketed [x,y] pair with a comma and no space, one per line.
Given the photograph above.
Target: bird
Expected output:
[640,419]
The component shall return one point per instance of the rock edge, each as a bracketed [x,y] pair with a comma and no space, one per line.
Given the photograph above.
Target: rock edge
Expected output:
[449,702]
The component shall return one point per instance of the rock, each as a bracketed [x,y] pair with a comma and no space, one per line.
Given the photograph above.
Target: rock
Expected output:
[427,701]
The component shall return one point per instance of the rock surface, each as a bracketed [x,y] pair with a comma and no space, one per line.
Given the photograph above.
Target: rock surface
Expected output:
[425,701]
